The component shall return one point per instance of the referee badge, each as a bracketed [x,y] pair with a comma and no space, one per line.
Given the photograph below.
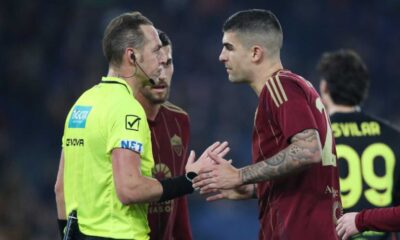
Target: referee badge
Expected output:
[132,122]
[176,144]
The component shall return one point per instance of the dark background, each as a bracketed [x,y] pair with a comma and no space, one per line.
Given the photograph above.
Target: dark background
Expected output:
[51,53]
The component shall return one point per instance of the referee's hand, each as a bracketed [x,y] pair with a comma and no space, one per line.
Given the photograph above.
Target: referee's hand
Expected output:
[220,149]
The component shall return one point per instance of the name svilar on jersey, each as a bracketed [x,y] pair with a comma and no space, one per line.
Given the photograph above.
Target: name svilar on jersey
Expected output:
[354,129]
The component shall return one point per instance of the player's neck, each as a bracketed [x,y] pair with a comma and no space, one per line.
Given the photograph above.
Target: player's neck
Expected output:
[332,109]
[150,108]
[263,73]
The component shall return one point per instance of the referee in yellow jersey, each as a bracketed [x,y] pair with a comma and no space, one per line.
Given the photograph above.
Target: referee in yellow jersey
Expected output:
[104,179]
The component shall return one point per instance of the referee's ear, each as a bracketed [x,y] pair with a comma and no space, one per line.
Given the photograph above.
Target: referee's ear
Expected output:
[132,55]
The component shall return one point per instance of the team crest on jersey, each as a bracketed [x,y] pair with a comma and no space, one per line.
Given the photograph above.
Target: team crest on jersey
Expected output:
[176,144]
[79,116]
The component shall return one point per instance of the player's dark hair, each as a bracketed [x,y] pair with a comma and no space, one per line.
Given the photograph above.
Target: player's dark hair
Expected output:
[123,32]
[255,22]
[165,41]
[346,75]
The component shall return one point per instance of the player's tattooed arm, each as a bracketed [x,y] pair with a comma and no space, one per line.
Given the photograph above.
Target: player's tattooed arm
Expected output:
[305,149]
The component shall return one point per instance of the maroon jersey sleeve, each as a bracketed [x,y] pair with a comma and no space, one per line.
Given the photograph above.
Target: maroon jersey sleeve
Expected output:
[379,219]
[288,100]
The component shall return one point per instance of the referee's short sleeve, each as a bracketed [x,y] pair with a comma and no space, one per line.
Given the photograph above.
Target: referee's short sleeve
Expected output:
[128,127]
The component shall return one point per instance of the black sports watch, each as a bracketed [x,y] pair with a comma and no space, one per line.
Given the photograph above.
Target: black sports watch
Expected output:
[190,176]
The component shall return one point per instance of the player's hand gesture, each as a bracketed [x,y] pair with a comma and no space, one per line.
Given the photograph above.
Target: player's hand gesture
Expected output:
[219,149]
[221,175]
[346,226]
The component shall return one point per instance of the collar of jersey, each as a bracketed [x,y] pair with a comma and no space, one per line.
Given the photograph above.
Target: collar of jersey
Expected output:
[117,80]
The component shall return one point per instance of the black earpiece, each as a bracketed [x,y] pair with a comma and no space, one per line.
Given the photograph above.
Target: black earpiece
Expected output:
[152,82]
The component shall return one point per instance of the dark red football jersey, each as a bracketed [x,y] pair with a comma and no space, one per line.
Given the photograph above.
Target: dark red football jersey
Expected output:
[170,133]
[306,204]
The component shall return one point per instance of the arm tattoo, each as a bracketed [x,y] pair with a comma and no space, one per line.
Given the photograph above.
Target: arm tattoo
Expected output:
[305,148]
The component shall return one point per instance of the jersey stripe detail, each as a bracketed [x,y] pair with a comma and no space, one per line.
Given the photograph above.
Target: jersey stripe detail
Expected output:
[276,91]
[278,80]
[271,92]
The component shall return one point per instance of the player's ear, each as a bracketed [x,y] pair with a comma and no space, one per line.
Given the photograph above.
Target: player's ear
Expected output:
[257,53]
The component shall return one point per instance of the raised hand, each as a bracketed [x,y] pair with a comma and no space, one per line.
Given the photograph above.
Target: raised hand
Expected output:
[217,148]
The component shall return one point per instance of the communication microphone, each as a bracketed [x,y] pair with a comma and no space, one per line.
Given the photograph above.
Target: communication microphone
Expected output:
[151,81]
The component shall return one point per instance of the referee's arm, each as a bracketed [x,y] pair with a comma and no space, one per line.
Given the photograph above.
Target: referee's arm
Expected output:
[131,186]
[59,191]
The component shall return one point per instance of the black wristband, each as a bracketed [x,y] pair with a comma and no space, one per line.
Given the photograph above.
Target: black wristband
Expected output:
[175,187]
[62,223]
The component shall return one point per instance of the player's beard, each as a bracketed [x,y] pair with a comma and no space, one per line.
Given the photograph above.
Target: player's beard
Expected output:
[155,98]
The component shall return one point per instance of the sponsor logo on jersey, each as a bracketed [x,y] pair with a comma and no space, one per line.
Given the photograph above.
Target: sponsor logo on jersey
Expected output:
[132,145]
[132,122]
[79,142]
[79,116]
[162,207]
[176,144]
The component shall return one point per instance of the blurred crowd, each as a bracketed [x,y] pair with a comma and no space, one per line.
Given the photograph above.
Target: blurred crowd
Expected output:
[51,52]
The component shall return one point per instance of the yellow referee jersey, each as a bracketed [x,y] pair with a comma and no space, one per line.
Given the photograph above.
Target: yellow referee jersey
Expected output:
[105,117]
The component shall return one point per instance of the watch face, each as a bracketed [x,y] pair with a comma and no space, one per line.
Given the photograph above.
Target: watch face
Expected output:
[191,175]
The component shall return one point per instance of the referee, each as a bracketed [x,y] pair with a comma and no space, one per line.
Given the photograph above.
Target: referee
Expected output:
[103,182]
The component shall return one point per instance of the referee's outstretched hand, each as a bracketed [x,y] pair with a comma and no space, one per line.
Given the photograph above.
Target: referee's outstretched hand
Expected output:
[217,148]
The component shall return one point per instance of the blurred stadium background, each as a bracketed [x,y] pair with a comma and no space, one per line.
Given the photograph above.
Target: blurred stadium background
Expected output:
[51,52]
